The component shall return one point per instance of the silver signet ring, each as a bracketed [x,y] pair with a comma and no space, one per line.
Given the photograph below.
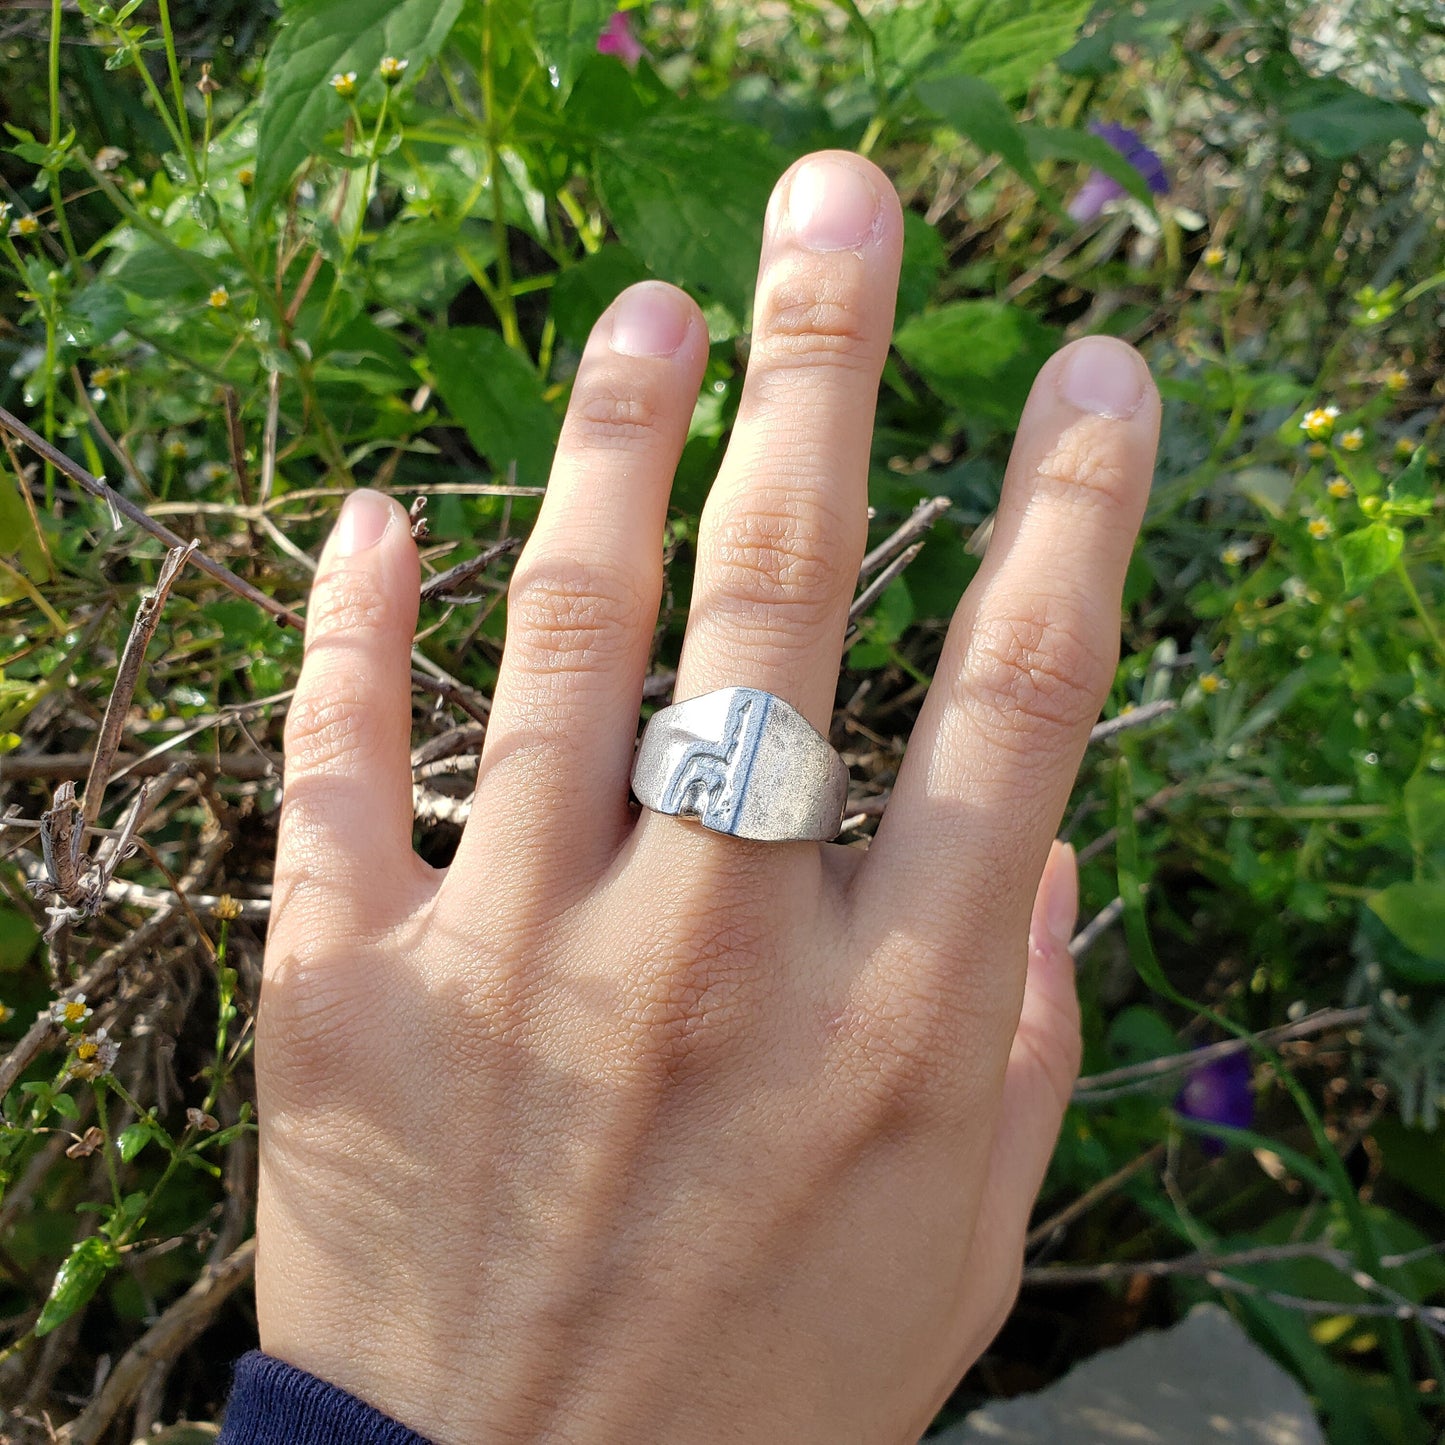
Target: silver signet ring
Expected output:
[743,762]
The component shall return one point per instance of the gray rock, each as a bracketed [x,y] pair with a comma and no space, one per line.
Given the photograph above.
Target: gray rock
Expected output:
[1203,1382]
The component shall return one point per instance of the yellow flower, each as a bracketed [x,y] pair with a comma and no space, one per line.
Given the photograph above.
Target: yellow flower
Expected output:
[1397,380]
[1319,422]
[95,1055]
[246,175]
[219,299]
[26,226]
[1316,450]
[1338,488]
[1232,556]
[1215,257]
[1404,448]
[1353,439]
[176,450]
[344,84]
[6,1013]
[1319,528]
[1209,682]
[392,69]
[72,1012]
[227,909]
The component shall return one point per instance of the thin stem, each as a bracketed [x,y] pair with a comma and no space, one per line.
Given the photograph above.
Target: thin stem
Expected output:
[57,202]
[511,332]
[108,1144]
[1421,611]
[177,89]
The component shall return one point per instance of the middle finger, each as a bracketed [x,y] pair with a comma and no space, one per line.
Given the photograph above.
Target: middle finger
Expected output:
[784,528]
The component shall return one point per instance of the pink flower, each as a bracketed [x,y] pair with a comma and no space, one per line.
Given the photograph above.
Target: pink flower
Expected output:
[617,39]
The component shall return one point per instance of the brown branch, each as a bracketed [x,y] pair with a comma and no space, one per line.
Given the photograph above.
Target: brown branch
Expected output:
[33,1041]
[880,584]
[1135,717]
[147,618]
[179,1325]
[1135,1078]
[113,499]
[444,584]
[1042,1233]
[924,515]
[247,766]
[236,443]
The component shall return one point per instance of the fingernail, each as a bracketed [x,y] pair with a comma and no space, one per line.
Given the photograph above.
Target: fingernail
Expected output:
[1103,376]
[1061,894]
[365,516]
[832,206]
[649,319]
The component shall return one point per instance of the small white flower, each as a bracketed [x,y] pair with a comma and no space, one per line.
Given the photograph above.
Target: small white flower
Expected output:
[71,1012]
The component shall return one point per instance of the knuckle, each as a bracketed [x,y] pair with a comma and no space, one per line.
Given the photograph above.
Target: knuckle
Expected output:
[815,317]
[347,601]
[306,1016]
[689,999]
[902,1055]
[568,616]
[326,726]
[1032,666]
[1085,466]
[779,563]
[606,415]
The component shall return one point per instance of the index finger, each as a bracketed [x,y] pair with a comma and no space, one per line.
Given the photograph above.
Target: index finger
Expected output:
[1029,660]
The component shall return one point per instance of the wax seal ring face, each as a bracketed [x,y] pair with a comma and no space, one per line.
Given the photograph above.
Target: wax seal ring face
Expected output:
[742,762]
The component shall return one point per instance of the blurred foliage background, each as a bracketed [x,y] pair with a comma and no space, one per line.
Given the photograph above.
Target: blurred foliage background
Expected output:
[255,255]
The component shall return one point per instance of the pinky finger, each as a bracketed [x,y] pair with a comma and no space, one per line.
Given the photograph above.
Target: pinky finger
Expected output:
[1042,1067]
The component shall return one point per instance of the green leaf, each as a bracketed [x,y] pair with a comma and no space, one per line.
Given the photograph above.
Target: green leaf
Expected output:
[18,937]
[319,39]
[1082,146]
[567,33]
[686,192]
[1412,493]
[168,274]
[1415,914]
[973,108]
[65,1106]
[77,1280]
[1349,121]
[1140,1033]
[1369,553]
[1009,42]
[584,291]
[1424,811]
[134,1138]
[892,615]
[924,260]
[497,396]
[18,535]
[980,356]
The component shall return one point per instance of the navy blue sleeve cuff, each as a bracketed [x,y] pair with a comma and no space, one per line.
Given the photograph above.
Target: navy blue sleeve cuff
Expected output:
[273,1403]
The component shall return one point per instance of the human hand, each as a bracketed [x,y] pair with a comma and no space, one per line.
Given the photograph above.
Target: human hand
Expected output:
[619,1129]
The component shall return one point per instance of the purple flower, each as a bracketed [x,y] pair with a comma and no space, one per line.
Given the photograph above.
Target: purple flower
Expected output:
[1219,1092]
[1099,189]
[617,39]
